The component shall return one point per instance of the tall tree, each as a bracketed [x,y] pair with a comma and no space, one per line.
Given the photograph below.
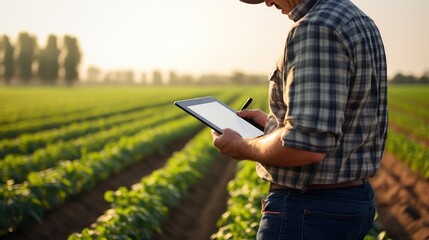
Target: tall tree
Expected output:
[8,62]
[238,78]
[174,79]
[72,59]
[26,51]
[93,74]
[48,61]
[157,77]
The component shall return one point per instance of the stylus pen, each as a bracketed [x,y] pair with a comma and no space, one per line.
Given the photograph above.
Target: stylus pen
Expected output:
[246,104]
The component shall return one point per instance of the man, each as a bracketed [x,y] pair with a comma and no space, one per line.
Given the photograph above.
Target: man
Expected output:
[326,130]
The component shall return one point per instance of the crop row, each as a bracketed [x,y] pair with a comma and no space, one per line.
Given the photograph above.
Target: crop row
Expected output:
[29,142]
[139,212]
[21,203]
[407,108]
[20,105]
[69,110]
[17,167]
[246,190]
[417,127]
[411,153]
[15,129]
[23,104]
[411,94]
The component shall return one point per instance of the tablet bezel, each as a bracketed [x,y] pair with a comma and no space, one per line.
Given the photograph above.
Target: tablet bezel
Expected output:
[186,103]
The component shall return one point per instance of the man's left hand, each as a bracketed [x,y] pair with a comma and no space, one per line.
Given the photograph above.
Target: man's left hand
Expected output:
[229,143]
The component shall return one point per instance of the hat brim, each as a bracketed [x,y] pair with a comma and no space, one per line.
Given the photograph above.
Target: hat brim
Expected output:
[253,1]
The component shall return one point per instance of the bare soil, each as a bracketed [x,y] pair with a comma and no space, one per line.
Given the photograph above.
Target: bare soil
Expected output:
[196,218]
[402,201]
[84,209]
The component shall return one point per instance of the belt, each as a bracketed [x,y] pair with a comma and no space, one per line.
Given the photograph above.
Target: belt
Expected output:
[355,183]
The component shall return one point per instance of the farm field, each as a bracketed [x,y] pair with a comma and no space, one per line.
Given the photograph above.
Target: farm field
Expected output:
[124,162]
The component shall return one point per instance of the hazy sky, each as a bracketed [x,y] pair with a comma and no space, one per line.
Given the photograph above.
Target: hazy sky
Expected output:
[197,36]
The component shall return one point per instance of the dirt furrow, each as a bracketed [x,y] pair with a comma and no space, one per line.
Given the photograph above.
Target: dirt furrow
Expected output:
[402,200]
[196,217]
[85,208]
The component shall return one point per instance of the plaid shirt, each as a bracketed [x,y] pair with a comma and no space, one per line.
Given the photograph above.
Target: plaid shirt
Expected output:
[329,92]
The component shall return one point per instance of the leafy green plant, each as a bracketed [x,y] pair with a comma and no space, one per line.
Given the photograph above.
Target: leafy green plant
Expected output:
[33,110]
[241,220]
[411,153]
[139,212]
[20,203]
[18,167]
[29,142]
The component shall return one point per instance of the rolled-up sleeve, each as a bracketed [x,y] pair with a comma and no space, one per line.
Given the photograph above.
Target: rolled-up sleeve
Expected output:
[315,88]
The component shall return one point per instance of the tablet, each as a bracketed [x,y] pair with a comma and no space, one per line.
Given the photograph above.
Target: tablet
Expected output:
[218,116]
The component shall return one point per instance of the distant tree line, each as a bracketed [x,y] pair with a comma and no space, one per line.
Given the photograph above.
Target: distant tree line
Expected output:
[25,61]
[410,79]
[96,75]
[236,77]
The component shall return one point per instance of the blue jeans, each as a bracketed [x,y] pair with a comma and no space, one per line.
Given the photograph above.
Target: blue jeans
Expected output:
[346,213]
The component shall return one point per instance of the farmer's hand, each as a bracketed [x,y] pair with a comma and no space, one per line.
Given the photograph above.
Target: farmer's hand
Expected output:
[257,115]
[230,143]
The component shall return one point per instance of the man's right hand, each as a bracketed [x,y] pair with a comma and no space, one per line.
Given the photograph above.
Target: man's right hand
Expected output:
[257,115]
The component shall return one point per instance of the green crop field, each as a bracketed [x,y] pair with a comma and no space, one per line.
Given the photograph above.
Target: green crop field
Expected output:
[409,126]
[58,145]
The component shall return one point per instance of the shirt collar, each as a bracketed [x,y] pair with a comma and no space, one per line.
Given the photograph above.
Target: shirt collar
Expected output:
[301,9]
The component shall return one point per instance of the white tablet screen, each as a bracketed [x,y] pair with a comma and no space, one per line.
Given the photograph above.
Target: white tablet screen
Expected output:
[224,118]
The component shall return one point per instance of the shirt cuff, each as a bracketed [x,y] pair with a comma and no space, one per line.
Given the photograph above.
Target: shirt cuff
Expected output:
[306,140]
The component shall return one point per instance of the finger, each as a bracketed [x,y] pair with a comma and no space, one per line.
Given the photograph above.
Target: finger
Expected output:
[230,133]
[214,133]
[245,113]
